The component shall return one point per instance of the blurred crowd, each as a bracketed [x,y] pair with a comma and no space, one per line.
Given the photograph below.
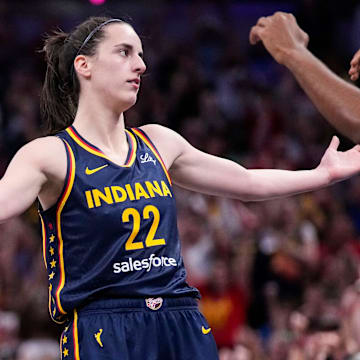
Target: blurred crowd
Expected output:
[280,280]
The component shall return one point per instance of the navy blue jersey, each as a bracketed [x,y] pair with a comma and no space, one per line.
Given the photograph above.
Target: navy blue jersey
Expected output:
[113,231]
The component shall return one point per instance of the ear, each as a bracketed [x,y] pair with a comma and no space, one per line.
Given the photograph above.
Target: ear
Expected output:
[82,66]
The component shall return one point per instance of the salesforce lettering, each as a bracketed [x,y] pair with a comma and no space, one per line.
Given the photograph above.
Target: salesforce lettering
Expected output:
[143,264]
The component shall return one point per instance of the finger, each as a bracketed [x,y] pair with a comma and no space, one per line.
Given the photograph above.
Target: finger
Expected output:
[356,59]
[334,144]
[356,147]
[354,66]
[292,17]
[282,14]
[352,70]
[254,36]
[305,37]
[262,21]
[354,73]
[354,77]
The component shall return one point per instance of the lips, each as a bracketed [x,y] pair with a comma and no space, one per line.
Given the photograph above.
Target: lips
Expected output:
[134,81]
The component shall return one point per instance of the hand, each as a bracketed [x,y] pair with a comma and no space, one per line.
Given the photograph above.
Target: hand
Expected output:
[355,66]
[280,34]
[340,165]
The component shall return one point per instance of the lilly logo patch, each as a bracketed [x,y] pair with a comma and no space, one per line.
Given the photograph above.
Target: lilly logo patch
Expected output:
[147,158]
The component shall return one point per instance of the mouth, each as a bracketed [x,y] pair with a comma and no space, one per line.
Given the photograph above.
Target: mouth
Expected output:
[135,82]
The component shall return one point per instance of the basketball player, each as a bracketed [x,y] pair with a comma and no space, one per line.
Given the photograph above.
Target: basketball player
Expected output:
[110,240]
[336,99]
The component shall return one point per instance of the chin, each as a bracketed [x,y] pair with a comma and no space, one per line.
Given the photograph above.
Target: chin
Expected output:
[128,103]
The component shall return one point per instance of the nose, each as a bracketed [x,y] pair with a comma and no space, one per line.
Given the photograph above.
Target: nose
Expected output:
[139,66]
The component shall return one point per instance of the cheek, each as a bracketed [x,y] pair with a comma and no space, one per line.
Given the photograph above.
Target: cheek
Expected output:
[108,84]
[109,72]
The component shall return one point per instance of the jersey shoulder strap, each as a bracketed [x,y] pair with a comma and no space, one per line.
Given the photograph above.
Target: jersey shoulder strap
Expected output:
[140,133]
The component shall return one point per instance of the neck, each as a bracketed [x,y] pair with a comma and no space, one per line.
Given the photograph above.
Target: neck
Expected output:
[100,125]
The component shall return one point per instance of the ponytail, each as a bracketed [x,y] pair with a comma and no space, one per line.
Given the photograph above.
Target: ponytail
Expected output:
[59,96]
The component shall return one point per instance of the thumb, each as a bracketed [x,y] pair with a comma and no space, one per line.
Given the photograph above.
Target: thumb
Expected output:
[334,144]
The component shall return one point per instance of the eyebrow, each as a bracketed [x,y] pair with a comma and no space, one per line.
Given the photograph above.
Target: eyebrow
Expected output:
[129,47]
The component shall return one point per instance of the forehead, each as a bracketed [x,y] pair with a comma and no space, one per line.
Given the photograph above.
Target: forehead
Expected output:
[119,33]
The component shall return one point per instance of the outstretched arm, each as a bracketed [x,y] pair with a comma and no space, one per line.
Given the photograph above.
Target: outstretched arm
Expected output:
[336,99]
[198,171]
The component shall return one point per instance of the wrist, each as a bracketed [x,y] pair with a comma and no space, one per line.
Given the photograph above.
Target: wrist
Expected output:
[323,175]
[295,58]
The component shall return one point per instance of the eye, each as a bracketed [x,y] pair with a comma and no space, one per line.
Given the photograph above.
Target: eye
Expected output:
[124,52]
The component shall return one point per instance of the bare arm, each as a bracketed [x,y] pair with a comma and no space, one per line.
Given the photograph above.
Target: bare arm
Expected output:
[337,100]
[198,171]
[28,174]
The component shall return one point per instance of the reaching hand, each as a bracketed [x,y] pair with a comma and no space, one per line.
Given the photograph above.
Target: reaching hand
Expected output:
[338,164]
[354,71]
[280,34]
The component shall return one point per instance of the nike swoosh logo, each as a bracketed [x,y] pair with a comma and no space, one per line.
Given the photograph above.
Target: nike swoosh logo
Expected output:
[205,331]
[92,171]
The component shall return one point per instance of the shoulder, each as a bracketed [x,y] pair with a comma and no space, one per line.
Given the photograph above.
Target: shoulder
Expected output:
[43,153]
[43,148]
[46,142]
[158,132]
[169,143]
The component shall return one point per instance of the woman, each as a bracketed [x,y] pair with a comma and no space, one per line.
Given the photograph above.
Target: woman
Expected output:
[110,241]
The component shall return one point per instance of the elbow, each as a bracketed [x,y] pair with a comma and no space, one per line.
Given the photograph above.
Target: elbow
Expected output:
[252,189]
